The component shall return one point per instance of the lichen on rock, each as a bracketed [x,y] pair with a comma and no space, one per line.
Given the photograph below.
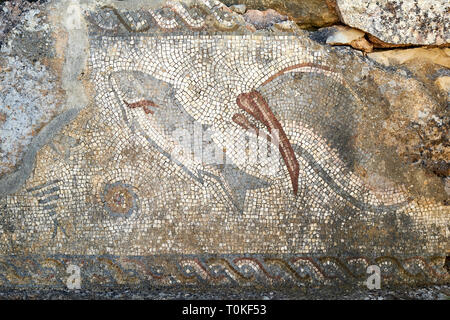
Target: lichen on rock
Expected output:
[399,22]
[29,94]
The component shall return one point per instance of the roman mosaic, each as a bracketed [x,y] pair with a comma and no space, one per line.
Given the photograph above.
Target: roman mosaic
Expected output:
[211,151]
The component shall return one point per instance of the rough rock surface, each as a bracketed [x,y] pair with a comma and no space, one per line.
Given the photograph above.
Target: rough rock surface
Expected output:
[399,22]
[11,13]
[443,83]
[263,19]
[426,143]
[307,13]
[239,8]
[343,35]
[416,55]
[29,95]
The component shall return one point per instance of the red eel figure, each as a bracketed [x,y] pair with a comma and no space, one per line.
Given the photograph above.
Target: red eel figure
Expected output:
[142,104]
[255,105]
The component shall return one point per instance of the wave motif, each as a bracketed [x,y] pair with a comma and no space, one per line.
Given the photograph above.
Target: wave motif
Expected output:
[36,271]
[170,17]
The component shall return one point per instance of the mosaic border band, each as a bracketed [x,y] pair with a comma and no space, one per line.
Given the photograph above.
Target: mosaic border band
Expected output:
[215,270]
